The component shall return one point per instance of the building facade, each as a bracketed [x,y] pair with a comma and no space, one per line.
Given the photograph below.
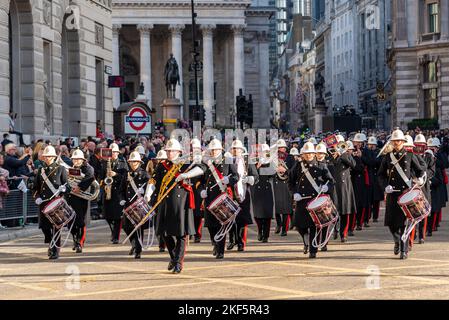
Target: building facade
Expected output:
[373,24]
[345,75]
[54,54]
[234,53]
[419,61]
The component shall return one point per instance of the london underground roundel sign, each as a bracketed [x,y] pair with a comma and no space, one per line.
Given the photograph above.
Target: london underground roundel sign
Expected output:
[137,121]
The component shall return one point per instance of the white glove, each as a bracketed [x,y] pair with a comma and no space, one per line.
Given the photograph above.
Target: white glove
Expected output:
[225,180]
[62,189]
[122,203]
[389,189]
[249,180]
[203,194]
[147,198]
[141,191]
[181,177]
[420,181]
[297,197]
[39,201]
[324,189]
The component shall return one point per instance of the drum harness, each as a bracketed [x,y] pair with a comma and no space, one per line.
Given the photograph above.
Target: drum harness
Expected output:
[409,225]
[329,231]
[55,193]
[151,231]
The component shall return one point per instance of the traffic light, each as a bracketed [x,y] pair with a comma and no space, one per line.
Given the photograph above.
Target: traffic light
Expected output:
[241,107]
[249,111]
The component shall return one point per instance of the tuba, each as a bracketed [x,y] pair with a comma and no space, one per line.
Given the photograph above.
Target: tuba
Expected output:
[74,180]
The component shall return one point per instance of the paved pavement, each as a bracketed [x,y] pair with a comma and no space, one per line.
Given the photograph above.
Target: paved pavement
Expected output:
[363,268]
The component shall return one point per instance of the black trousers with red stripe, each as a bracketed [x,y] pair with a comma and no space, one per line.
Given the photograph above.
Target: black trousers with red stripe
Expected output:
[263,226]
[397,233]
[177,247]
[375,207]
[308,234]
[237,234]
[283,221]
[198,220]
[116,227]
[220,245]
[346,224]
[79,235]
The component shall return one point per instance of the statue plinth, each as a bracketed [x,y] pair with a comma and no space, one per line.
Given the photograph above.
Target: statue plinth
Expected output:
[171,113]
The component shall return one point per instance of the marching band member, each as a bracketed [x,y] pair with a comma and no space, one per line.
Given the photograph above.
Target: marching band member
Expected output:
[443,162]
[78,204]
[325,164]
[137,178]
[151,167]
[295,153]
[306,181]
[262,195]
[376,193]
[198,212]
[282,197]
[228,175]
[427,160]
[248,176]
[343,162]
[438,192]
[360,181]
[174,220]
[112,208]
[395,173]
[49,181]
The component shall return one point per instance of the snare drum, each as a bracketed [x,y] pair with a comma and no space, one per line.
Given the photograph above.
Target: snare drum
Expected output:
[224,208]
[137,211]
[414,205]
[322,211]
[58,212]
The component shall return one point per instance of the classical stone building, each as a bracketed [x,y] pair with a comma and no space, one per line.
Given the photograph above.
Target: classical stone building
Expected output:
[419,60]
[53,55]
[234,53]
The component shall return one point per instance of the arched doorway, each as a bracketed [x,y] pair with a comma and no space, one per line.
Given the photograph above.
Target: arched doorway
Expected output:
[71,85]
[21,60]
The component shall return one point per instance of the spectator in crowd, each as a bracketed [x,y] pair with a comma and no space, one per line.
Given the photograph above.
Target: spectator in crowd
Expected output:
[65,154]
[15,165]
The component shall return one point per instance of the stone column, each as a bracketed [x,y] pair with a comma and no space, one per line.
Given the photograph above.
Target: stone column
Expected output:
[116,62]
[262,109]
[145,60]
[208,72]
[176,47]
[4,65]
[444,19]
[239,59]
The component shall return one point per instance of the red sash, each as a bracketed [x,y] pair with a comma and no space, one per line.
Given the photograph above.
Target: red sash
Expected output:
[445,178]
[365,171]
[185,186]
[220,175]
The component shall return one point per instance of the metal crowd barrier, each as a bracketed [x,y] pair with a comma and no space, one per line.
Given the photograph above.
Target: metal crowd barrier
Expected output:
[19,205]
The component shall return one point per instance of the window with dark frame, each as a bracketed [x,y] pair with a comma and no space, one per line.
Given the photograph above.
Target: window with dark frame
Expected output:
[433,15]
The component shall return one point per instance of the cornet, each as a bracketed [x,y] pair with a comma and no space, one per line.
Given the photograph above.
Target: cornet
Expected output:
[387,148]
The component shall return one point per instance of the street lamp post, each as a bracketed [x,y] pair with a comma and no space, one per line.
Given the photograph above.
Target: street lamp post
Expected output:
[196,114]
